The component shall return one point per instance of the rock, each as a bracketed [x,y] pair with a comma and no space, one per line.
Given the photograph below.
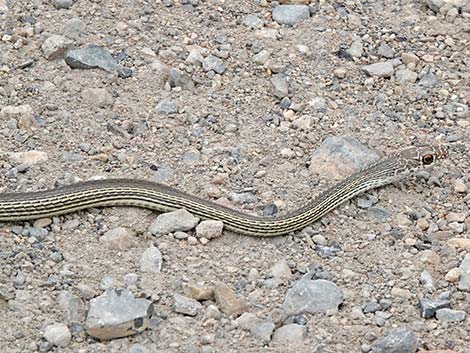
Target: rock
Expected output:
[63,4]
[247,321]
[263,330]
[313,296]
[290,14]
[58,335]
[138,348]
[74,28]
[280,85]
[98,97]
[227,302]
[460,186]
[435,5]
[117,238]
[70,305]
[290,334]
[28,158]
[339,156]
[428,306]
[449,315]
[166,107]
[55,47]
[428,80]
[209,229]
[151,260]
[199,291]
[382,69]
[406,75]
[195,56]
[186,306]
[23,114]
[280,269]
[213,312]
[116,314]
[213,63]
[318,104]
[356,49]
[91,57]
[399,340]
[180,220]
[252,22]
[453,275]
[462,243]
[456,217]
[464,282]
[261,57]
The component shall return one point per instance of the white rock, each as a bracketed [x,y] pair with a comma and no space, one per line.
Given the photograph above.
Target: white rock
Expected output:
[170,222]
[29,157]
[280,269]
[151,260]
[118,238]
[289,334]
[209,229]
[382,69]
[58,334]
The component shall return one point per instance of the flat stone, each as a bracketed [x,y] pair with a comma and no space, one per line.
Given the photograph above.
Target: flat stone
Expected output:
[429,307]
[247,321]
[449,315]
[290,334]
[313,296]
[91,57]
[290,14]
[116,314]
[464,282]
[58,335]
[280,85]
[180,220]
[263,330]
[186,306]
[227,301]
[151,260]
[400,340]
[382,69]
[209,229]
[117,238]
[55,47]
[339,156]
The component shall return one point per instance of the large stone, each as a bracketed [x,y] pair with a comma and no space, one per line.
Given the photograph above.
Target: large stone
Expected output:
[339,156]
[209,229]
[116,314]
[92,57]
[383,69]
[290,334]
[227,301]
[290,14]
[449,315]
[313,296]
[180,220]
[263,330]
[213,63]
[430,306]
[400,340]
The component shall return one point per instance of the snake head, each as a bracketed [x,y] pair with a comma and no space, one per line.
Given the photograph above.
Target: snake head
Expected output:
[419,156]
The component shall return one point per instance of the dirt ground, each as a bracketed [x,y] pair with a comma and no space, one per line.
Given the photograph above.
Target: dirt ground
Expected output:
[232,138]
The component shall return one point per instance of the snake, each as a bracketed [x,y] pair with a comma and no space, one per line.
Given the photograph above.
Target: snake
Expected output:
[24,206]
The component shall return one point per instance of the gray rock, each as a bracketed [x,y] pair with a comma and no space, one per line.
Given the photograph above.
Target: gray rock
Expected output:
[247,321]
[290,334]
[162,174]
[138,348]
[406,75]
[356,49]
[92,57]
[116,314]
[58,335]
[428,80]
[313,296]
[449,315]
[74,28]
[435,5]
[280,85]
[318,104]
[290,14]
[429,307]
[181,79]
[151,260]
[63,4]
[366,201]
[400,340]
[339,156]
[213,63]
[252,22]
[382,69]
[70,305]
[378,213]
[186,306]
[180,220]
[464,282]
[166,107]
[261,57]
[386,51]
[263,330]
[209,229]
[55,47]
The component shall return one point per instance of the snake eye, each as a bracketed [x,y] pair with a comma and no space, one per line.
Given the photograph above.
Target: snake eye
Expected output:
[427,159]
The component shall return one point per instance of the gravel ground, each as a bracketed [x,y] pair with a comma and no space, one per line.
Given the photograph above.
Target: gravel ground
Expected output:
[227,100]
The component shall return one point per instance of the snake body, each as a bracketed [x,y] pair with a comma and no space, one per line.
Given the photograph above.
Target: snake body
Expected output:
[146,194]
